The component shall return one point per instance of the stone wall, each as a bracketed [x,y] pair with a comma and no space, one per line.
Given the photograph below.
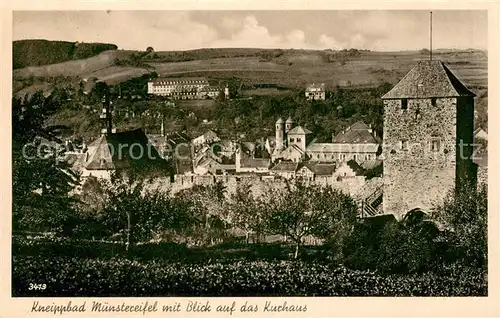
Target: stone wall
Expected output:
[418,176]
[259,185]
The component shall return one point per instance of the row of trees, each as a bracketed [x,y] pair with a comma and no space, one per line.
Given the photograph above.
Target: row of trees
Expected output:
[210,214]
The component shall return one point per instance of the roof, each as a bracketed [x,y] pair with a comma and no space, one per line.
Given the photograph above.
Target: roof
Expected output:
[249,162]
[207,136]
[359,125]
[428,79]
[316,85]
[285,166]
[355,167]
[358,133]
[299,131]
[179,81]
[320,169]
[342,147]
[291,148]
[280,121]
[289,120]
[480,133]
[120,150]
[370,164]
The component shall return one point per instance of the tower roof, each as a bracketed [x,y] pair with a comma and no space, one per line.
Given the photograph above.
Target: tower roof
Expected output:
[428,79]
[289,120]
[299,131]
[280,121]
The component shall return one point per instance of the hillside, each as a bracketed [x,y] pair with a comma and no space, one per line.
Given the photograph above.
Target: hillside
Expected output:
[291,68]
[27,53]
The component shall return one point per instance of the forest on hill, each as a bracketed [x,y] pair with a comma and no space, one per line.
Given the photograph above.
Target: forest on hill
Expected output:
[27,53]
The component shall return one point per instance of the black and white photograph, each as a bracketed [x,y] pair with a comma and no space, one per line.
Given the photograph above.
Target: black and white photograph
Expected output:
[249,153]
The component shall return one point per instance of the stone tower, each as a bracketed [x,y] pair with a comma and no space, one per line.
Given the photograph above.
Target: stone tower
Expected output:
[428,132]
[280,134]
[289,124]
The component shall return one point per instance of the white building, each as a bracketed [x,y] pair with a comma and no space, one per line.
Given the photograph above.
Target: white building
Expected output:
[316,91]
[169,86]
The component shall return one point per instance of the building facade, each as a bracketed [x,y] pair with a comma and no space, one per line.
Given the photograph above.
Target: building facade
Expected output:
[185,88]
[316,91]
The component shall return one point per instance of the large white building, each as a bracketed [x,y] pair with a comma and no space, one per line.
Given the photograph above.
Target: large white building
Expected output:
[168,86]
[185,88]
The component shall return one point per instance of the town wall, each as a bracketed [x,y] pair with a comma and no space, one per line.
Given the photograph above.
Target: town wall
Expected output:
[259,185]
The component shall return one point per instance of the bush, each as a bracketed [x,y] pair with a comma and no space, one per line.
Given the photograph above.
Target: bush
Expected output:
[465,213]
[121,277]
[407,246]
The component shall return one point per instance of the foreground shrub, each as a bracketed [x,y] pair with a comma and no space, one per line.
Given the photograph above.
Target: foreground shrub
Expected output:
[121,277]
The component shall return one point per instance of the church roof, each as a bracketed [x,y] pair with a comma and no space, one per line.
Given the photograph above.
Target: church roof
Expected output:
[358,133]
[428,79]
[299,131]
[121,150]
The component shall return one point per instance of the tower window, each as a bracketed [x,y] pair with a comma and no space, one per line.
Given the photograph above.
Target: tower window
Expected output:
[404,104]
[435,144]
[404,144]
[433,101]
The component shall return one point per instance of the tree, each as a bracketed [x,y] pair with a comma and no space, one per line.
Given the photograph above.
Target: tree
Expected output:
[149,49]
[138,214]
[42,180]
[208,208]
[302,210]
[246,212]
[465,214]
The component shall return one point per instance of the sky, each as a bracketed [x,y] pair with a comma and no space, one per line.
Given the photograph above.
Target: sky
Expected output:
[183,30]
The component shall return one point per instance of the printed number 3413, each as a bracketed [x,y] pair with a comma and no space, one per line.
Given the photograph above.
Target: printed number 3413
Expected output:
[37,286]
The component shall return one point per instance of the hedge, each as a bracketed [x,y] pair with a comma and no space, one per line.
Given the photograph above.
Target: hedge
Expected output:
[122,277]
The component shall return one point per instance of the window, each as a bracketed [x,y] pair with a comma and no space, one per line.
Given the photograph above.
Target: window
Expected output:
[291,140]
[404,144]
[435,144]
[298,139]
[404,104]
[433,101]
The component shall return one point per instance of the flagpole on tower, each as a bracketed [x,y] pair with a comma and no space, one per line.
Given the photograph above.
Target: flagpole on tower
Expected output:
[430,52]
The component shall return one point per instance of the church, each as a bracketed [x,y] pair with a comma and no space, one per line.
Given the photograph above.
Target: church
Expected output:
[357,142]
